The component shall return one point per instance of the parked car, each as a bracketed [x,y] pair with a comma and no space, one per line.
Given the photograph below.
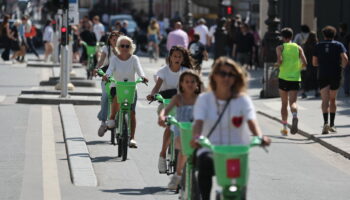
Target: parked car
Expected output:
[132,26]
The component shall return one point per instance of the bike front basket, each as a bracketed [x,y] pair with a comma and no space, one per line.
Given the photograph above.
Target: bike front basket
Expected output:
[231,164]
[186,137]
[126,92]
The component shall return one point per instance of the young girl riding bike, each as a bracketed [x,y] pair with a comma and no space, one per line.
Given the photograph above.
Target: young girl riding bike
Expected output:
[167,83]
[189,86]
[229,100]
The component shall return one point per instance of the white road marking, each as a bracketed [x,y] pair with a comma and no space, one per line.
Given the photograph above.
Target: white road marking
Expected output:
[51,187]
[2,98]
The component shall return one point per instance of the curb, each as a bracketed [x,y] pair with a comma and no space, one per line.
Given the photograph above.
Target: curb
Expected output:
[78,83]
[57,92]
[41,64]
[311,137]
[81,170]
[56,99]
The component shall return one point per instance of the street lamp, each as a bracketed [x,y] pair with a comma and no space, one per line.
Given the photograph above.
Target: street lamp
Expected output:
[269,43]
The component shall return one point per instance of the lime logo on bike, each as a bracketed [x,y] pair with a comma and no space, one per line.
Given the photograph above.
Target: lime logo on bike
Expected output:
[126,91]
[237,121]
[233,168]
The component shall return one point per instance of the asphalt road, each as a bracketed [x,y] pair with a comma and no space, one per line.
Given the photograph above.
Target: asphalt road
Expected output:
[294,168]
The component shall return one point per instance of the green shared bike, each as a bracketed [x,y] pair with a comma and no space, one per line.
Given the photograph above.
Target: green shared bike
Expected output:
[91,53]
[171,156]
[189,186]
[120,135]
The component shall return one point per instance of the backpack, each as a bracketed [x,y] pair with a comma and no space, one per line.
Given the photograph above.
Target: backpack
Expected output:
[32,32]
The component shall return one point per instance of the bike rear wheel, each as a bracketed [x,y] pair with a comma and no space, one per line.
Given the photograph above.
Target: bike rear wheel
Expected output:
[125,137]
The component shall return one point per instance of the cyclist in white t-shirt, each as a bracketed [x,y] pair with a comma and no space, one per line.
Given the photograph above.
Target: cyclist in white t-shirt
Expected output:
[228,83]
[167,83]
[124,67]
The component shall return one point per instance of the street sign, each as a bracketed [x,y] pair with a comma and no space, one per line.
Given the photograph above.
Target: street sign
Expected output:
[73,14]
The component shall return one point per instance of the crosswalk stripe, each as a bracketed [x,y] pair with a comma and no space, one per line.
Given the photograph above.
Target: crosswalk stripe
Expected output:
[51,189]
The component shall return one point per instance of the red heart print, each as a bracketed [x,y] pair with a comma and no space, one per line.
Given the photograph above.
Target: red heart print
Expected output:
[237,121]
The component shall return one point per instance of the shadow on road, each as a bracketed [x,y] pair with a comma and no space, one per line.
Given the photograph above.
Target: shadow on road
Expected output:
[97,142]
[141,191]
[103,159]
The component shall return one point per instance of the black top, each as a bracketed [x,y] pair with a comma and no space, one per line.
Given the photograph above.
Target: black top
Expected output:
[89,37]
[196,49]
[329,60]
[245,43]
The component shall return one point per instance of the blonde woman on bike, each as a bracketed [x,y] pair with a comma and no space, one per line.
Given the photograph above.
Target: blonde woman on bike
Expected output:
[124,67]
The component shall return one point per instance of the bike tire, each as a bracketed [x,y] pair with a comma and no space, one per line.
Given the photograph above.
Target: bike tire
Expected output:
[113,136]
[120,150]
[125,137]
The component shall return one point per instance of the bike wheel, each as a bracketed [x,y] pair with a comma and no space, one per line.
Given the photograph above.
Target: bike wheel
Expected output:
[125,137]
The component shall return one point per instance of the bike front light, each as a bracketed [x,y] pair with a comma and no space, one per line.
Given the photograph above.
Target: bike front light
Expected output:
[233,188]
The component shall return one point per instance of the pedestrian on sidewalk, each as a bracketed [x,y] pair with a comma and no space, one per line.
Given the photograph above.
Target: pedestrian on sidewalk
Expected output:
[309,80]
[289,56]
[177,37]
[48,39]
[329,56]
[5,33]
[29,33]
[198,52]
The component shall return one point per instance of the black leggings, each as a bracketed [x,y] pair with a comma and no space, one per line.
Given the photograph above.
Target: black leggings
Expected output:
[205,173]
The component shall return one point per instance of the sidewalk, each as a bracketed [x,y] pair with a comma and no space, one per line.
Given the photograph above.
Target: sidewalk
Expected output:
[310,116]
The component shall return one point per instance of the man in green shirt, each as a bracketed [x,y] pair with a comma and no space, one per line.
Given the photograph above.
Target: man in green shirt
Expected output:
[290,59]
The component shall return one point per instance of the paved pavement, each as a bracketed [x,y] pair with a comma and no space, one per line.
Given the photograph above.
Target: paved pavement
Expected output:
[310,116]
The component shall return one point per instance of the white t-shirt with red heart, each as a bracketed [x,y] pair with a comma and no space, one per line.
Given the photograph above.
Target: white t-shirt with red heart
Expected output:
[233,127]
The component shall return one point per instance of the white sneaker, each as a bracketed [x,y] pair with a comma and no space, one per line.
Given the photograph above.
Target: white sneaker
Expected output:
[162,165]
[132,144]
[102,130]
[174,182]
[110,123]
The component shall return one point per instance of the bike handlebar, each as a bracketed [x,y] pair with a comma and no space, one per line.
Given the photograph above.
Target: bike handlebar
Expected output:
[255,141]
[101,73]
[170,120]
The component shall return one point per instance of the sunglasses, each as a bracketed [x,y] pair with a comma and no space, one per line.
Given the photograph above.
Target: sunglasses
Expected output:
[224,74]
[124,46]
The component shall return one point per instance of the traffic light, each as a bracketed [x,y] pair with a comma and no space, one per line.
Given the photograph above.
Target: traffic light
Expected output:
[229,10]
[64,36]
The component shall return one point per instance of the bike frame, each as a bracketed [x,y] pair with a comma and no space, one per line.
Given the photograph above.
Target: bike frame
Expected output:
[123,115]
[172,159]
